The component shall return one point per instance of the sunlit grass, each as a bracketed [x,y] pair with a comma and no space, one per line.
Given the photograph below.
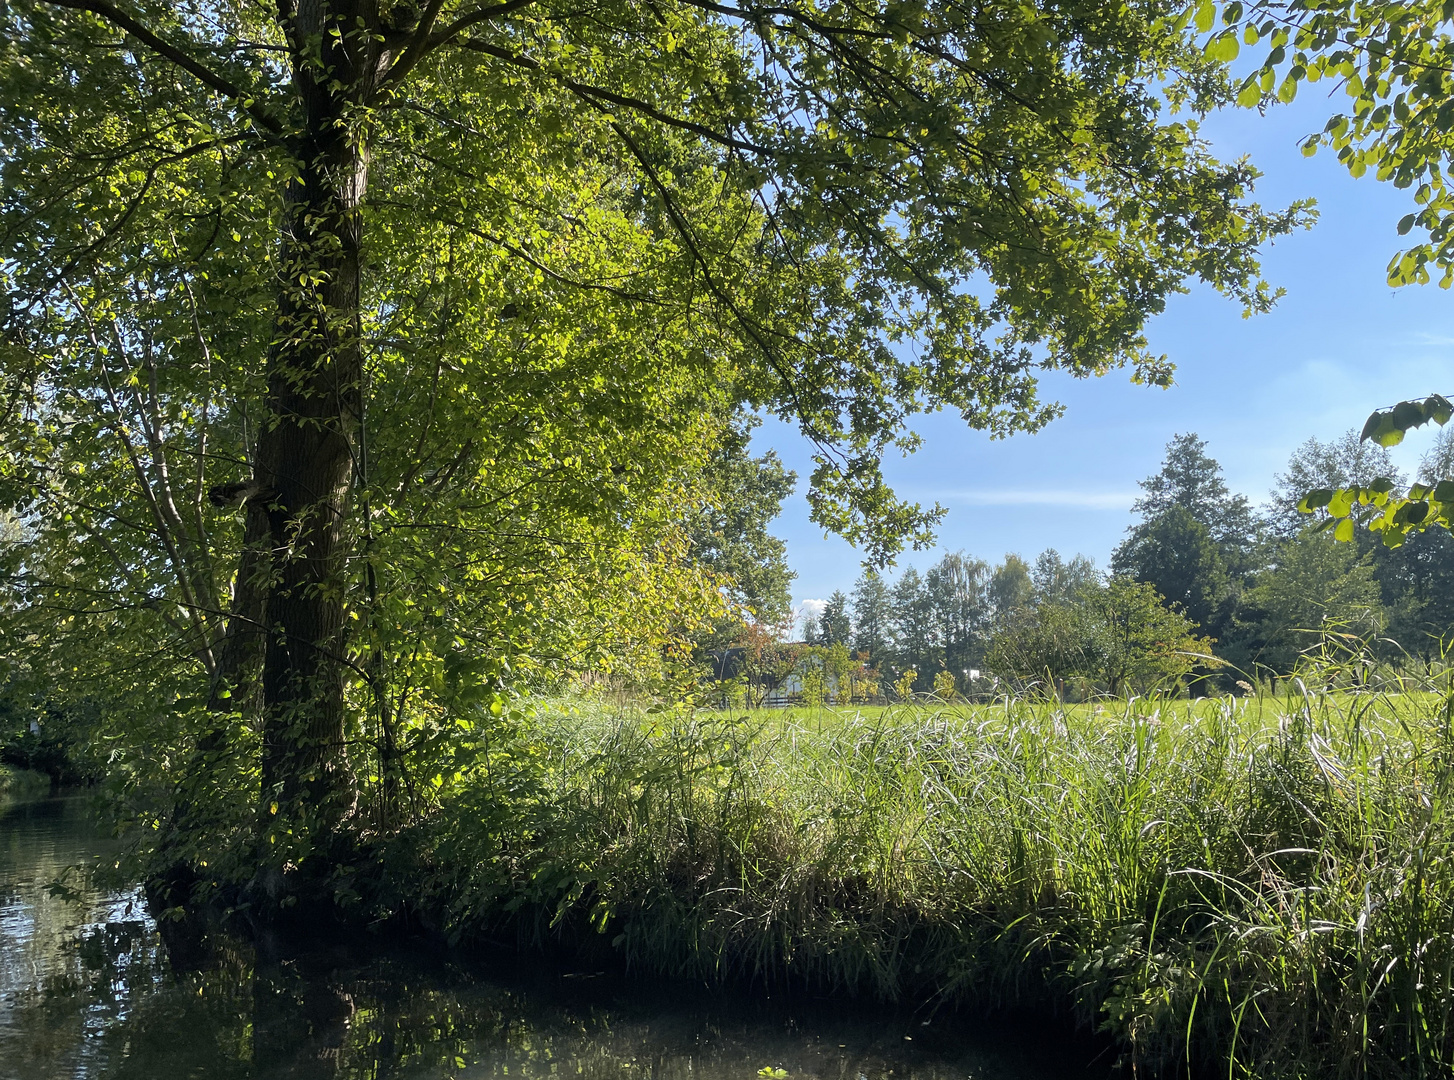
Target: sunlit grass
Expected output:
[1260,885]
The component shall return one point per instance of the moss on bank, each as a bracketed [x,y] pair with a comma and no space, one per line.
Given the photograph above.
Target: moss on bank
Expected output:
[1246,888]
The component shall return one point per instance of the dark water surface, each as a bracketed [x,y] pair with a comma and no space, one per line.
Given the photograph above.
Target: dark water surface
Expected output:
[87,991]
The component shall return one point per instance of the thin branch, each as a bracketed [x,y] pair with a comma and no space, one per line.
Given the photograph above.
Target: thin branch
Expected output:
[424,42]
[163,48]
[593,95]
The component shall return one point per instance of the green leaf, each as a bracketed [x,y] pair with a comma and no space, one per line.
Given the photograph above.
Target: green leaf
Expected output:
[1383,429]
[1370,426]
[1315,500]
[1406,223]
[1411,513]
[1206,15]
[1439,409]
[1409,414]
[1344,532]
[1224,47]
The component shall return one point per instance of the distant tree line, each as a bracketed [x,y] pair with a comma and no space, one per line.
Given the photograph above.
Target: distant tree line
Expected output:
[1205,586]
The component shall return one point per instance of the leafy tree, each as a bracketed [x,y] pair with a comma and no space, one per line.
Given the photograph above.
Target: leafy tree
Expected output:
[1057,581]
[839,665]
[729,534]
[1193,481]
[873,618]
[1133,639]
[1196,541]
[1382,505]
[835,625]
[1011,590]
[1337,463]
[1435,464]
[1395,63]
[1041,647]
[1416,577]
[959,595]
[914,624]
[1177,555]
[448,303]
[1117,633]
[1315,585]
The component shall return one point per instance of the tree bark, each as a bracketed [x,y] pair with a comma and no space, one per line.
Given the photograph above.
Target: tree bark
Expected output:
[306,452]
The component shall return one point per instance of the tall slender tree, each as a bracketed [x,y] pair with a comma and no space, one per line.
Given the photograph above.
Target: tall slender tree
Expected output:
[1338,462]
[916,644]
[873,617]
[835,626]
[958,588]
[1190,479]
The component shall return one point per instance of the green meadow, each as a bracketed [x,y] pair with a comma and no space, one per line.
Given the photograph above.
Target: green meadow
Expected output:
[1257,886]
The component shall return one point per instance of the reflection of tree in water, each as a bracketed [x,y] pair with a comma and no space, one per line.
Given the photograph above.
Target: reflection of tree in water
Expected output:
[312,1017]
[91,992]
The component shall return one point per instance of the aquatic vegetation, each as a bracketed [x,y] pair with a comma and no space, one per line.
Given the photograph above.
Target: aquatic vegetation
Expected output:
[1261,886]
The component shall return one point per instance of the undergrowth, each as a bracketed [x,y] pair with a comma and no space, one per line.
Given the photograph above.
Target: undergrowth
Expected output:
[1250,887]
[20,784]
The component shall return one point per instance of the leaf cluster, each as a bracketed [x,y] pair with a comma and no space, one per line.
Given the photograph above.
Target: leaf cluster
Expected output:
[1394,62]
[1382,506]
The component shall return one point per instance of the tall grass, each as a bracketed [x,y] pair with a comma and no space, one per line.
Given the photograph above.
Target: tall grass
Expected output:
[1247,887]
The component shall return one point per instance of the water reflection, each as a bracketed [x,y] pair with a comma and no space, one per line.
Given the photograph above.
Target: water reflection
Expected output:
[86,992]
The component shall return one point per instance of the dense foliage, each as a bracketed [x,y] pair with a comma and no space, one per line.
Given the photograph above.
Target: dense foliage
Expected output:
[360,363]
[1392,59]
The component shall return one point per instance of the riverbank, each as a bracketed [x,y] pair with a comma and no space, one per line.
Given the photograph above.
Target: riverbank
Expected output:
[1260,888]
[89,993]
[19,784]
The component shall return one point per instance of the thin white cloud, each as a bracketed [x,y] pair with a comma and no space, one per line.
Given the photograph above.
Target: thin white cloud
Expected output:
[811,607]
[1084,500]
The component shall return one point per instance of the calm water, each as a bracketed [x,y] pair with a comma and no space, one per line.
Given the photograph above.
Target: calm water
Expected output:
[87,991]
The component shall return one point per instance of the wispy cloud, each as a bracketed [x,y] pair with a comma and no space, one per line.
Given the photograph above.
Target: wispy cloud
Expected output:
[1085,500]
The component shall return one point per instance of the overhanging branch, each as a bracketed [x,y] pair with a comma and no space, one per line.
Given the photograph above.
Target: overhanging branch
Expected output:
[167,50]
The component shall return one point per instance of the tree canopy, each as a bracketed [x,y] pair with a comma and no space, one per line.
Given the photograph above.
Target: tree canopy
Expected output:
[358,359]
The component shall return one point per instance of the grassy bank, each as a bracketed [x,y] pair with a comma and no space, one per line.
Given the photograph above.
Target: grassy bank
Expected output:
[1257,887]
[22,783]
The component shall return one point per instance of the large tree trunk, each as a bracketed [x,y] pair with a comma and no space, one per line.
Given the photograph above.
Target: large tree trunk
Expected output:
[306,452]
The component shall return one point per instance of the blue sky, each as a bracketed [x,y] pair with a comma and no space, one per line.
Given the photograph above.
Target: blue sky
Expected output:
[1340,343]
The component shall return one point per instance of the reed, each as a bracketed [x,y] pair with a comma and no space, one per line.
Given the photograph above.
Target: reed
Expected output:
[1259,886]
